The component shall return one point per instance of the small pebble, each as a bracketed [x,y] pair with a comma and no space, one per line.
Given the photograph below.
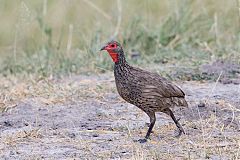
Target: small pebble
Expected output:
[110,129]
[72,135]
[95,135]
[7,123]
[84,126]
[201,104]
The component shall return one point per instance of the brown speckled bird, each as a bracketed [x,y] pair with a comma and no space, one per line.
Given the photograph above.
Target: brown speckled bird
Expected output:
[148,91]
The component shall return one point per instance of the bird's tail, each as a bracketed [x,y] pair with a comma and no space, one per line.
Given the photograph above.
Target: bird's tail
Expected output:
[184,102]
[180,102]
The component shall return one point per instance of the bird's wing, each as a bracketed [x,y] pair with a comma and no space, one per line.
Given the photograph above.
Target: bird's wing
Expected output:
[163,89]
[156,85]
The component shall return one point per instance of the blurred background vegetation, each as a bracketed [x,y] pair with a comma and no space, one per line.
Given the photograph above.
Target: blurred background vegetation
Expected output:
[62,37]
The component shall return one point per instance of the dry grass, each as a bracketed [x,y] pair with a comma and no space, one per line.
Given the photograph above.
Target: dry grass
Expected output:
[211,131]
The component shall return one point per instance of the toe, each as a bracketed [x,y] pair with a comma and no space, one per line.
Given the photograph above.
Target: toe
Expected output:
[142,140]
[178,134]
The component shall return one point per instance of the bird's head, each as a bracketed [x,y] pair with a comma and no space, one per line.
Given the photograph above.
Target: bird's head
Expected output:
[114,49]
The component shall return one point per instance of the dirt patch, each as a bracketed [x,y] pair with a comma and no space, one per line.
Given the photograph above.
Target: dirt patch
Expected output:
[84,118]
[226,72]
[229,71]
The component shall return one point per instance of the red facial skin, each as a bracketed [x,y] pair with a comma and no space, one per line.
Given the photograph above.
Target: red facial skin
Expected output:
[114,56]
[109,48]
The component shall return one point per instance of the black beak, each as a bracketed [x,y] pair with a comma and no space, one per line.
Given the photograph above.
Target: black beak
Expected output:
[103,48]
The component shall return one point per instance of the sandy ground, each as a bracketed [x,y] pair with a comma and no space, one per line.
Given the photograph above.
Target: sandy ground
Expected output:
[83,117]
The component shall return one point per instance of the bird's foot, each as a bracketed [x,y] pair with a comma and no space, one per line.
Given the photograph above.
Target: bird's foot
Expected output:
[142,140]
[180,129]
[178,133]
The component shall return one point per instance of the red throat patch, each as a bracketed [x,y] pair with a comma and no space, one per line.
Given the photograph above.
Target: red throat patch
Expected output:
[114,56]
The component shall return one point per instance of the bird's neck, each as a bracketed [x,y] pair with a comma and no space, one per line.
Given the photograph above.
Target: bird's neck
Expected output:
[120,59]
[121,67]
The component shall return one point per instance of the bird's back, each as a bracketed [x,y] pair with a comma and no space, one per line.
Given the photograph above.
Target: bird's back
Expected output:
[147,90]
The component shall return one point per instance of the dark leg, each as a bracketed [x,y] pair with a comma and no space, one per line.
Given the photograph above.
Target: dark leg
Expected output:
[152,122]
[170,113]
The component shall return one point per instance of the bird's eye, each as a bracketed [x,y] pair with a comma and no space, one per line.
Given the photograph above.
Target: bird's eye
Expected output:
[112,45]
